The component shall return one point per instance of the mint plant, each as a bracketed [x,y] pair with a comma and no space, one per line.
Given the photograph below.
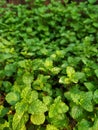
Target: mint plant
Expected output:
[49,66]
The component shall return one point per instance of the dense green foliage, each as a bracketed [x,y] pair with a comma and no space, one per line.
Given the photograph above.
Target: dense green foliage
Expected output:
[49,66]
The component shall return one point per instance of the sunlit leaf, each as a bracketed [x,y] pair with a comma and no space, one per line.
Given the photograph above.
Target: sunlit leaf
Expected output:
[37,107]
[51,127]
[19,121]
[38,119]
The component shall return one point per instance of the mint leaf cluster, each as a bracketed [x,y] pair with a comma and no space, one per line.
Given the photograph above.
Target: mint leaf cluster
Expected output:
[49,66]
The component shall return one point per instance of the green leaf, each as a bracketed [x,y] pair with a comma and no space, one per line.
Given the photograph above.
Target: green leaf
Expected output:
[37,107]
[22,63]
[29,30]
[47,100]
[64,80]
[89,86]
[47,89]
[48,63]
[5,42]
[5,57]
[55,70]
[75,97]
[25,92]
[95,24]
[91,1]
[4,125]
[83,125]
[86,101]
[21,106]
[95,97]
[7,85]
[38,119]
[29,95]
[70,71]
[58,107]
[95,126]
[27,78]
[47,50]
[96,72]
[3,111]
[10,69]
[77,76]
[40,82]
[51,127]
[23,127]
[60,121]
[19,121]
[12,98]
[76,112]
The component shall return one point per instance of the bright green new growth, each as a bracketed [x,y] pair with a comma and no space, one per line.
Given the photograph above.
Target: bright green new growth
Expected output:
[38,119]
[51,127]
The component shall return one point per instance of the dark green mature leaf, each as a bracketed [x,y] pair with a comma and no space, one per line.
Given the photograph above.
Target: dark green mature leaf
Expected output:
[3,111]
[83,125]
[95,97]
[7,85]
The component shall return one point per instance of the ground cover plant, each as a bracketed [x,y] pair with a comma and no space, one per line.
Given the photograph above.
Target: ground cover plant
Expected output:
[49,66]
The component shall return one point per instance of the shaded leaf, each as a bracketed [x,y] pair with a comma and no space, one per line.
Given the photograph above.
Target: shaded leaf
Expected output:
[83,125]
[76,112]
[3,111]
[12,98]
[95,97]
